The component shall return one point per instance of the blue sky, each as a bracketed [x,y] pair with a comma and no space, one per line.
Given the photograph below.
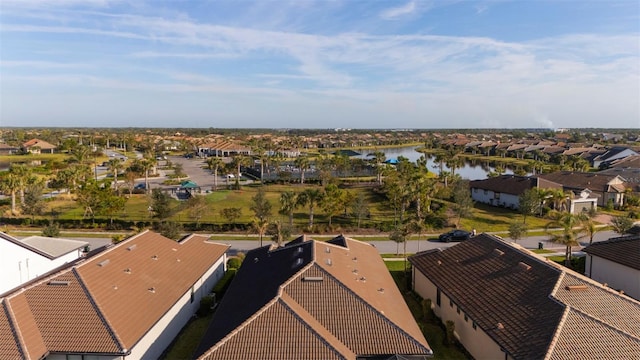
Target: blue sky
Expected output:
[320,64]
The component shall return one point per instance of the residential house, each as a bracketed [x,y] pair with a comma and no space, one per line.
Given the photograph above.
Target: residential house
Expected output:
[611,155]
[603,187]
[22,260]
[505,190]
[222,148]
[507,303]
[313,300]
[616,262]
[6,149]
[126,302]
[37,146]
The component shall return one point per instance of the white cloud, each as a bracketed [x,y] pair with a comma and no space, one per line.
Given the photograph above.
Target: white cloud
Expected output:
[400,11]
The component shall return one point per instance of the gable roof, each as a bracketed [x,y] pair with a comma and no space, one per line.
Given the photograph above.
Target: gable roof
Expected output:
[39,143]
[82,308]
[535,301]
[624,250]
[335,299]
[584,180]
[512,184]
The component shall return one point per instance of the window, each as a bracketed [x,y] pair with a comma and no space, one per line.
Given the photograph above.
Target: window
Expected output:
[438,297]
[496,195]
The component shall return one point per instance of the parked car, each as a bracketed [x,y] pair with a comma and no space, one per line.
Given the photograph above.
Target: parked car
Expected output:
[455,235]
[140,186]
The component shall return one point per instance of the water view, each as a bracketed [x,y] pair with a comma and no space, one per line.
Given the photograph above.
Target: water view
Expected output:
[468,171]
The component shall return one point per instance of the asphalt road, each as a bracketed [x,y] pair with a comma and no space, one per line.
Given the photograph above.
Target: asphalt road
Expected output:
[388,247]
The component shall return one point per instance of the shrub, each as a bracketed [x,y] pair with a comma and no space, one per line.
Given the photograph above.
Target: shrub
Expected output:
[234,263]
[205,306]
[51,230]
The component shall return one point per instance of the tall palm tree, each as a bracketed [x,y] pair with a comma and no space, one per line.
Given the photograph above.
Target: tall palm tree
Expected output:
[214,164]
[288,203]
[260,226]
[590,228]
[379,158]
[238,162]
[23,174]
[115,165]
[570,228]
[310,198]
[302,162]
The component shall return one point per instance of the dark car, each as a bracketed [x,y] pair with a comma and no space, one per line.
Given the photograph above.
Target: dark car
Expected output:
[455,235]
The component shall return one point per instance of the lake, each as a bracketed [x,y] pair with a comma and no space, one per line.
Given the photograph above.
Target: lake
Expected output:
[468,171]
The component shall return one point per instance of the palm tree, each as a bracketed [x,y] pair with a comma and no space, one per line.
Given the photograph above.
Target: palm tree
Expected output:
[238,162]
[570,227]
[115,165]
[379,158]
[590,228]
[10,184]
[260,226]
[302,162]
[23,174]
[310,198]
[288,203]
[214,164]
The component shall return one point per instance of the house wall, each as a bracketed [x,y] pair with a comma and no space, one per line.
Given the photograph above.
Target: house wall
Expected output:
[615,275]
[19,265]
[154,342]
[579,206]
[475,341]
[495,199]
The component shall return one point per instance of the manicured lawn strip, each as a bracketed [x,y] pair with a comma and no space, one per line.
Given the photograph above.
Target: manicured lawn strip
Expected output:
[187,341]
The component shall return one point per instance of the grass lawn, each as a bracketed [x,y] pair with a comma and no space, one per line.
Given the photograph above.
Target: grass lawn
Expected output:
[187,341]
[490,218]
[432,330]
[543,251]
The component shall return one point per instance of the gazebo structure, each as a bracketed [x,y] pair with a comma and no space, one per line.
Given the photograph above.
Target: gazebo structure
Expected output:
[187,189]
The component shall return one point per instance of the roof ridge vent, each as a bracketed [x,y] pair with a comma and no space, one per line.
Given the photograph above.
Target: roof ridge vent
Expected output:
[524,266]
[104,263]
[132,247]
[152,289]
[498,252]
[59,283]
[576,287]
[329,262]
[127,270]
[499,326]
[154,257]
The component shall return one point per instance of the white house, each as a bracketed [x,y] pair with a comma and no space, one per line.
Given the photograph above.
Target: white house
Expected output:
[25,259]
[616,262]
[127,302]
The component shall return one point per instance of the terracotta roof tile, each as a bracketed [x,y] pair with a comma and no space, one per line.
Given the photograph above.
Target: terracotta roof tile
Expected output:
[26,327]
[67,318]
[545,310]
[340,290]
[623,250]
[9,347]
[170,268]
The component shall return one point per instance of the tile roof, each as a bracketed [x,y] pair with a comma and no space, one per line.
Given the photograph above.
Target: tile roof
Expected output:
[539,313]
[337,293]
[624,250]
[512,184]
[9,345]
[580,180]
[40,143]
[90,306]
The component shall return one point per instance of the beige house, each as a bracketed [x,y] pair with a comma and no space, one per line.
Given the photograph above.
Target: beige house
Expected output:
[313,300]
[37,146]
[616,262]
[508,303]
[126,302]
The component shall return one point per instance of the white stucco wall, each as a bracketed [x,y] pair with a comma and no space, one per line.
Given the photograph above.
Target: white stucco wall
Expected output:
[475,341]
[615,275]
[489,197]
[19,265]
[153,344]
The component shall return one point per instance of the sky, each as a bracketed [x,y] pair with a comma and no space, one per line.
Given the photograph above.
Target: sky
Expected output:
[320,64]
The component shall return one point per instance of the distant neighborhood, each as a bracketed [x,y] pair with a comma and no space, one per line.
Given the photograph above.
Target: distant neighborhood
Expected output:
[232,244]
